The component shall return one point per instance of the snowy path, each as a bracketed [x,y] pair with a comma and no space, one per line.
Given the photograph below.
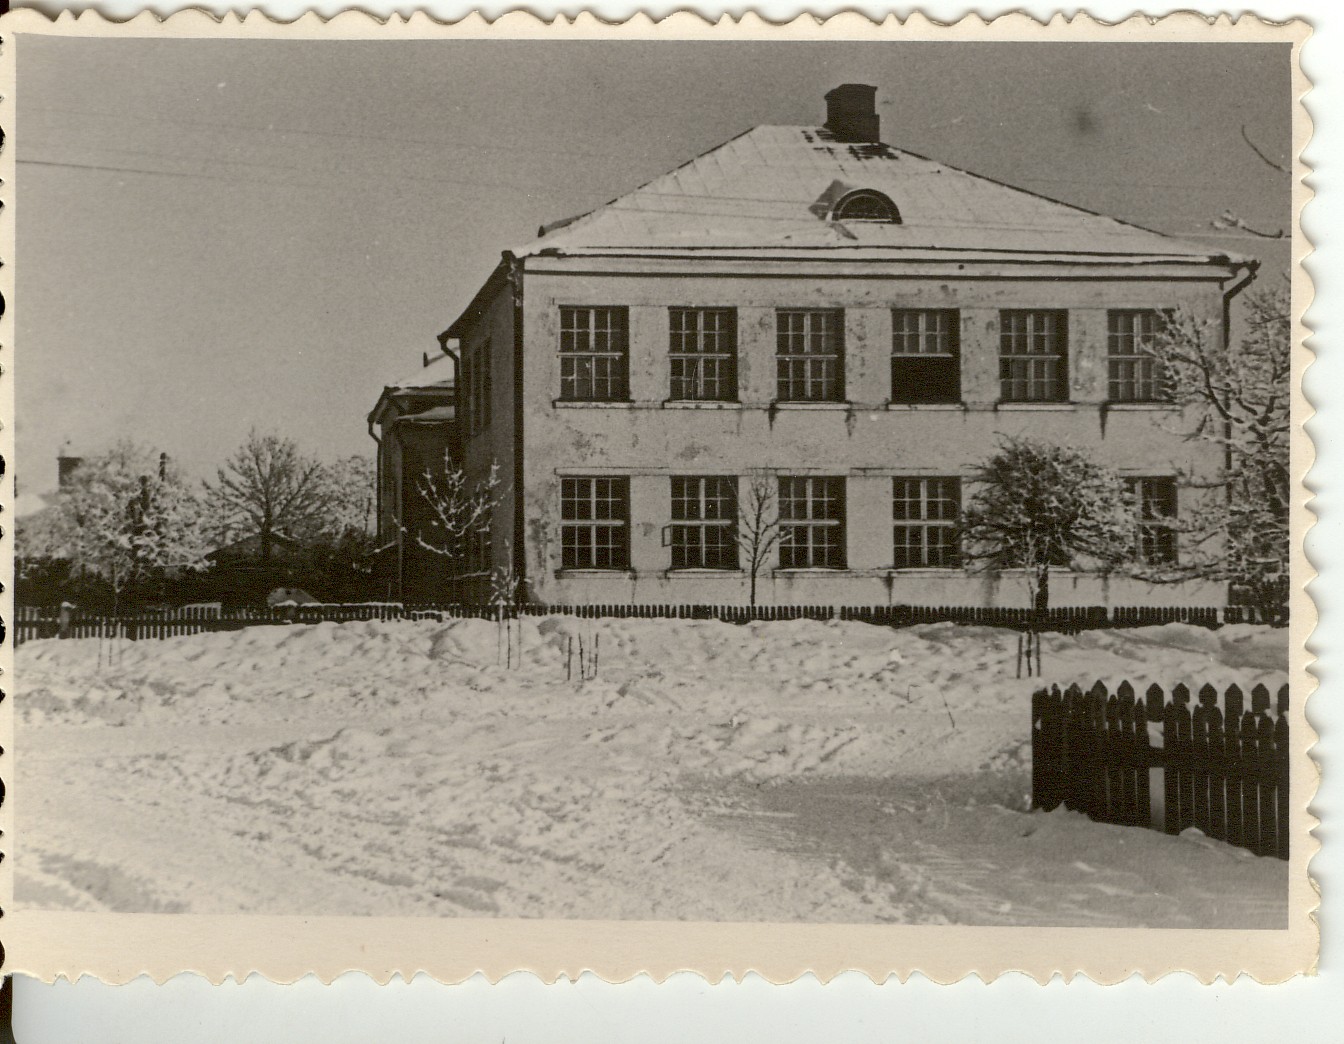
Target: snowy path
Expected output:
[817,772]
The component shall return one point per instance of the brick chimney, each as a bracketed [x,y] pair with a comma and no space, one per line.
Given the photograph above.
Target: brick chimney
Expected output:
[851,113]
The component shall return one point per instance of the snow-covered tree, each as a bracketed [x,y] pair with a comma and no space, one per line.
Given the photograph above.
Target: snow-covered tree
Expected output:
[125,517]
[758,526]
[1239,393]
[458,509]
[353,496]
[1040,506]
[269,488]
[347,535]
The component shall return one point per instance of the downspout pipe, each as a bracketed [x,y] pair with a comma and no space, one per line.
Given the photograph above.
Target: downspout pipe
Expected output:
[444,340]
[377,467]
[1251,269]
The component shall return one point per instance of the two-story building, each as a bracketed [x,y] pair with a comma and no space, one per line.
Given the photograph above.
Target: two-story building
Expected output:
[810,321]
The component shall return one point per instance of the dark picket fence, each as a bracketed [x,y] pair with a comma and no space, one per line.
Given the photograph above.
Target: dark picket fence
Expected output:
[34,623]
[1224,769]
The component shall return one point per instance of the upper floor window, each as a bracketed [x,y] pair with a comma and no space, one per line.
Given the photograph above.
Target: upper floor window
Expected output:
[810,355]
[704,522]
[866,205]
[703,351]
[811,522]
[1133,373]
[925,350]
[594,354]
[927,516]
[1033,355]
[1155,506]
[478,387]
[595,523]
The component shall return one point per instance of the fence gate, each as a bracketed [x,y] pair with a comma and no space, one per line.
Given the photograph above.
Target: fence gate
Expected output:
[1222,769]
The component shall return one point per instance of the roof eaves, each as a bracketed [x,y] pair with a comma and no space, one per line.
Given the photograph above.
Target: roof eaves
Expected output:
[480,301]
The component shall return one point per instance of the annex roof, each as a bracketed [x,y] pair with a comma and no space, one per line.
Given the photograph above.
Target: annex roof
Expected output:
[771,190]
[434,380]
[438,372]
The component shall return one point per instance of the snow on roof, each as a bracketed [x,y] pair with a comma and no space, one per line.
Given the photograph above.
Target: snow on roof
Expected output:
[431,415]
[771,189]
[439,372]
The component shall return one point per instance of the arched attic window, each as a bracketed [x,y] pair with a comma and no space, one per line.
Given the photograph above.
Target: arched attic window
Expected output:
[866,205]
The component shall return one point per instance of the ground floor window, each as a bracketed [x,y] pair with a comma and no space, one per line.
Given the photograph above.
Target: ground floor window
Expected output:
[1155,506]
[595,523]
[811,522]
[703,533]
[478,551]
[927,515]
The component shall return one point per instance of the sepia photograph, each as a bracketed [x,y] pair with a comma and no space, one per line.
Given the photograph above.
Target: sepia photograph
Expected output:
[738,481]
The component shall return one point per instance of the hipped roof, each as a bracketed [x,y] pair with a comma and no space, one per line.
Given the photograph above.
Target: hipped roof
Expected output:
[769,191]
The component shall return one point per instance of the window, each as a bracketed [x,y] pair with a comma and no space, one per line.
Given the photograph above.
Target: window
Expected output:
[867,205]
[703,347]
[595,523]
[594,354]
[1033,356]
[478,387]
[1133,373]
[812,523]
[927,514]
[925,349]
[1155,506]
[809,355]
[704,522]
[478,551]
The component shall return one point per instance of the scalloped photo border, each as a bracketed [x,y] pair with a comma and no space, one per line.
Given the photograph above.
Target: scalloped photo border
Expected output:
[116,948]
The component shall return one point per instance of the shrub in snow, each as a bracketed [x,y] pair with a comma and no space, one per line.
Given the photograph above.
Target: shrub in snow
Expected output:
[1040,505]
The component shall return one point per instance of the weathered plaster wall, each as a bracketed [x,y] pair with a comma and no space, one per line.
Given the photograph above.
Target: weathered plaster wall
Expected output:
[867,440]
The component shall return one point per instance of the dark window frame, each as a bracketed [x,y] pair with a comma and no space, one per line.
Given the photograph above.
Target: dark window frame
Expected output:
[926,533]
[925,356]
[702,360]
[703,531]
[816,536]
[810,355]
[595,522]
[1133,372]
[1033,355]
[594,353]
[479,387]
[1157,510]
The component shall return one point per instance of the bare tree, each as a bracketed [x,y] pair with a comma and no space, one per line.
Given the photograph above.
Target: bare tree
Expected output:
[758,529]
[353,496]
[1041,506]
[1229,220]
[269,488]
[1240,394]
[458,508]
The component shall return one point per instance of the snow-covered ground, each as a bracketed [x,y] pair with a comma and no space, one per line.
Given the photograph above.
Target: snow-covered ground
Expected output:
[777,771]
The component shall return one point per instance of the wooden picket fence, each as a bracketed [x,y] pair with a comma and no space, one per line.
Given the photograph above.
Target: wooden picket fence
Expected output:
[1224,769]
[33,623]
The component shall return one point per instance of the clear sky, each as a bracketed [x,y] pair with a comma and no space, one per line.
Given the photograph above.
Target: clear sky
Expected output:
[219,235]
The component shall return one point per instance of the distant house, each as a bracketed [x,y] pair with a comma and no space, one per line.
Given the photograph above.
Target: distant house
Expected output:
[415,420]
[853,325]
